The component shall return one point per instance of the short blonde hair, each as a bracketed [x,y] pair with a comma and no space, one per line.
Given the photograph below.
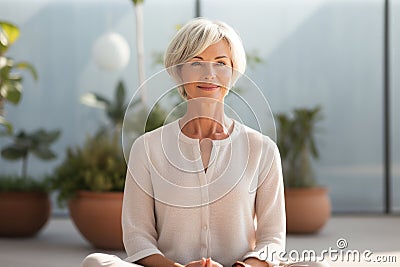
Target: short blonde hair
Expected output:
[198,34]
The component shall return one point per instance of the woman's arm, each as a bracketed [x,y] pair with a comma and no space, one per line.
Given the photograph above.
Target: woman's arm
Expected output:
[157,260]
[253,262]
[270,208]
[138,217]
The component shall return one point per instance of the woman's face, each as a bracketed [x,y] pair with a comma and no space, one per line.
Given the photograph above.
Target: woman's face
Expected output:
[209,73]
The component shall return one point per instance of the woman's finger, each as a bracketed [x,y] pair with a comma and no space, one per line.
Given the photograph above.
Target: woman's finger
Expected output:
[208,262]
[203,262]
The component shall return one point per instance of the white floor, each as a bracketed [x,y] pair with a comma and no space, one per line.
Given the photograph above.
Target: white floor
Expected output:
[60,245]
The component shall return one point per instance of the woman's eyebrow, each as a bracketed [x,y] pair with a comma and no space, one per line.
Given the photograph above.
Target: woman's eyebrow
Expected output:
[219,57]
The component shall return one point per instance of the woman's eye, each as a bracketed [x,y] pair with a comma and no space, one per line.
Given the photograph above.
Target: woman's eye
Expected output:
[221,63]
[195,63]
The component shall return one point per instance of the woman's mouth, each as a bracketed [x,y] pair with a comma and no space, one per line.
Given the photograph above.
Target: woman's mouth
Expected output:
[208,87]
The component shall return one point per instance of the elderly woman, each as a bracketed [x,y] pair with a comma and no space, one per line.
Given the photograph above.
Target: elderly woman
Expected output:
[203,190]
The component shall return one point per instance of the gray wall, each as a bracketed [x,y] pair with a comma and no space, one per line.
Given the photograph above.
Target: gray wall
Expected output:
[326,53]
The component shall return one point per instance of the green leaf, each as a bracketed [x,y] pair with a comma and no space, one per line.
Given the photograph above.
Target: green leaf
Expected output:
[13,152]
[114,109]
[156,118]
[11,92]
[297,145]
[98,165]
[94,100]
[5,69]
[8,35]
[37,142]
[45,138]
[15,183]
[27,66]
[120,94]
[135,102]
[135,2]
[44,153]
[7,125]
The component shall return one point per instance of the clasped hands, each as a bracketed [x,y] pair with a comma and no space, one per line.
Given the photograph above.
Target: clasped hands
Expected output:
[204,263]
[210,263]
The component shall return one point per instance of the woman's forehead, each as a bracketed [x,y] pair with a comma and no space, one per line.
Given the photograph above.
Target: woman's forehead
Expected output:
[218,50]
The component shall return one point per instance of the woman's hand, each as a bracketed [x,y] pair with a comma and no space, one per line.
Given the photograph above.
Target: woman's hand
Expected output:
[200,263]
[254,262]
[204,263]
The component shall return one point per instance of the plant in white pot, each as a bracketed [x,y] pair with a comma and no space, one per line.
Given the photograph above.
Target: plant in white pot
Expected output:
[307,204]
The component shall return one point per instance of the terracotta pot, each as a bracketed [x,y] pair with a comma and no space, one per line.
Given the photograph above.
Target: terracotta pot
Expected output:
[23,213]
[307,209]
[98,218]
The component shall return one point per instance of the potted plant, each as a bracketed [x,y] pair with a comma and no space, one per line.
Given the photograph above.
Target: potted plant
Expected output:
[91,179]
[307,204]
[24,201]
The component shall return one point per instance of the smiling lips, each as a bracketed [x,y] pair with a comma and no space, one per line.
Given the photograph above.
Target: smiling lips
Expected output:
[208,87]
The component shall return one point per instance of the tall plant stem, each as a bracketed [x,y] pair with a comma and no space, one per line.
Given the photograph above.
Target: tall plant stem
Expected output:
[24,165]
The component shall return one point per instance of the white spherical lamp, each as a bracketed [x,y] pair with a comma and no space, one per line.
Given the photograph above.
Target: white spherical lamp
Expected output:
[111,52]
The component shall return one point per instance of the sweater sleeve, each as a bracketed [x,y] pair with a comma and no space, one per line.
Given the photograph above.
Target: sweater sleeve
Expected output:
[138,219]
[270,207]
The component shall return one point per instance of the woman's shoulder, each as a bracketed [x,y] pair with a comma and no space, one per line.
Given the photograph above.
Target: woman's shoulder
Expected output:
[157,135]
[152,141]
[166,128]
[255,136]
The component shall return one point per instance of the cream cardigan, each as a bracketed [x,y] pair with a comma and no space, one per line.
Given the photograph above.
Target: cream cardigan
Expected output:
[233,211]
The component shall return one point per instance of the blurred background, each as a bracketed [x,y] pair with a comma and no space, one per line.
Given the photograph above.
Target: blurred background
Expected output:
[327,53]
[305,53]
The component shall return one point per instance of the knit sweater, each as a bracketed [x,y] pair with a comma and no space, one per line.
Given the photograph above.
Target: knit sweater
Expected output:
[233,211]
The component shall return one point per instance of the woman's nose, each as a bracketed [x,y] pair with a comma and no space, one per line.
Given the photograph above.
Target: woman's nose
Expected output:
[209,72]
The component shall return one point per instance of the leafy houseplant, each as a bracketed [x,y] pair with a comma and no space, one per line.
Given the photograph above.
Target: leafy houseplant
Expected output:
[15,183]
[115,110]
[296,142]
[92,176]
[97,166]
[10,81]
[91,180]
[307,205]
[24,202]
[37,143]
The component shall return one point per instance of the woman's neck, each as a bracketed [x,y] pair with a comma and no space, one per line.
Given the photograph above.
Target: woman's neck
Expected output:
[205,118]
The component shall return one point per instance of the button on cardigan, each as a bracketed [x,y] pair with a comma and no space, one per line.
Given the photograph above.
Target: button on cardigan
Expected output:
[233,211]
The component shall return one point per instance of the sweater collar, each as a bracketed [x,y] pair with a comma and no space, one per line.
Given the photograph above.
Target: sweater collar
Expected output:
[189,140]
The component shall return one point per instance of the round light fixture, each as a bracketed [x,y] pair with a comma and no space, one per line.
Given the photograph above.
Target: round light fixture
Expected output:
[111,52]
